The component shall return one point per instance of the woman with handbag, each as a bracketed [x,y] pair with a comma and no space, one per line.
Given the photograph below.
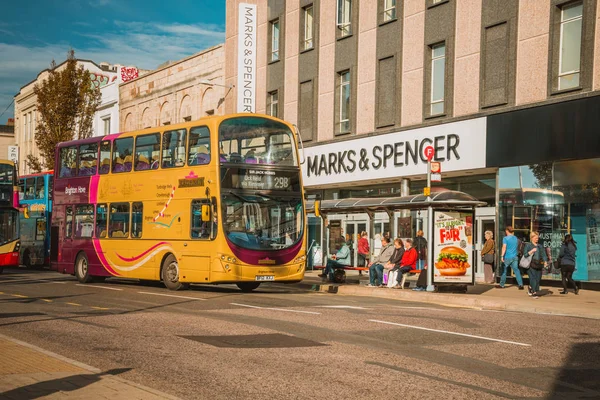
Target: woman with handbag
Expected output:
[487,254]
[567,263]
[536,254]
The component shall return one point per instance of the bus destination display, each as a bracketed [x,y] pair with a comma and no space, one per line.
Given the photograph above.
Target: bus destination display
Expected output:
[261,179]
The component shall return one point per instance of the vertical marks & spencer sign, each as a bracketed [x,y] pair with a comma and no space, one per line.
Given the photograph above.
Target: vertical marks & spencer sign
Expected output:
[246,83]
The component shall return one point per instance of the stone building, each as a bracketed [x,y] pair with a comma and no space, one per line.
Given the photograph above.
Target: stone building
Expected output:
[179,91]
[7,138]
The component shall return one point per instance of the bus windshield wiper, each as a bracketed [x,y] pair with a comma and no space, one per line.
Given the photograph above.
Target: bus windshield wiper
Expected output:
[266,196]
[242,198]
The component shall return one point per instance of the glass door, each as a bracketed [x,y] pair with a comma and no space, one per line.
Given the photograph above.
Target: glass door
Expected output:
[352,233]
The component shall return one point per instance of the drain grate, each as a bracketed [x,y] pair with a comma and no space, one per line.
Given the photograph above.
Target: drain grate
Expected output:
[261,341]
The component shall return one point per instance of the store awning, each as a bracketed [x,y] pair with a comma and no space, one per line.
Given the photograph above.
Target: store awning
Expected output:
[445,199]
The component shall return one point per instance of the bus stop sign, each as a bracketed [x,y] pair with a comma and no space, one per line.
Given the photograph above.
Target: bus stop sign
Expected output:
[429,152]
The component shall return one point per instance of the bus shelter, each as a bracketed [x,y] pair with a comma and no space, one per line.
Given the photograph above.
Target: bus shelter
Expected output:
[449,230]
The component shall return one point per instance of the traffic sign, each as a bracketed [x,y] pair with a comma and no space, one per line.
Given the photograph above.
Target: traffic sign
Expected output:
[429,152]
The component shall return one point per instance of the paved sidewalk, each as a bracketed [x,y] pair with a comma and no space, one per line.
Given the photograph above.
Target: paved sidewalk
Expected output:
[586,304]
[28,372]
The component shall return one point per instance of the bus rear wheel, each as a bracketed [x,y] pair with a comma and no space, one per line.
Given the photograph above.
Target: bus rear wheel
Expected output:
[247,287]
[82,270]
[170,274]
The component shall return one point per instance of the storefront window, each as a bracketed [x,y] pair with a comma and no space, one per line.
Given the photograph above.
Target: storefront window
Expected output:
[555,199]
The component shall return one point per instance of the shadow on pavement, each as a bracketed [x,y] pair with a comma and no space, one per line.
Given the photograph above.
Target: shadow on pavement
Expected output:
[67,384]
[578,378]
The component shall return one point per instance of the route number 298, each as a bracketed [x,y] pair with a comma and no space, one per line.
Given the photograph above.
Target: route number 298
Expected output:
[281,182]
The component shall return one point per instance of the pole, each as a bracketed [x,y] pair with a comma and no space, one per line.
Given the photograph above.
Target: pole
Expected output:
[430,287]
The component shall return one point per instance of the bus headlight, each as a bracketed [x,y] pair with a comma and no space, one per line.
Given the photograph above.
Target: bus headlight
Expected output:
[300,259]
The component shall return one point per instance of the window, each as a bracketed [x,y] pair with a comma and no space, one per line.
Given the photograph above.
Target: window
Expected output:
[105,157]
[137,217]
[50,187]
[39,187]
[202,229]
[386,92]
[307,112]
[344,17]
[389,10]
[101,219]
[344,102]
[173,148]
[308,28]
[119,220]
[88,159]
[438,76]
[147,152]
[122,155]
[106,125]
[29,188]
[275,40]
[69,222]
[84,221]
[40,229]
[68,158]
[570,46]
[272,106]
[199,146]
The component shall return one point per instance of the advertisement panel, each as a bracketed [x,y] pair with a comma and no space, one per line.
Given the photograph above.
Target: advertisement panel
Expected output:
[453,247]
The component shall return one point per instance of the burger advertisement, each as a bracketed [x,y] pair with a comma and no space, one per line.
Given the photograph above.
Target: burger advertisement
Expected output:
[453,247]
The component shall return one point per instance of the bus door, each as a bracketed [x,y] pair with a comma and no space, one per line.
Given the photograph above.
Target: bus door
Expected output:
[66,246]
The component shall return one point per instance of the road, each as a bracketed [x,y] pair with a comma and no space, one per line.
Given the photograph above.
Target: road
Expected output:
[285,342]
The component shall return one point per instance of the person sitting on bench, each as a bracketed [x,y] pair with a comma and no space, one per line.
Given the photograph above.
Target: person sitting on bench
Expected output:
[376,266]
[393,266]
[408,262]
[339,260]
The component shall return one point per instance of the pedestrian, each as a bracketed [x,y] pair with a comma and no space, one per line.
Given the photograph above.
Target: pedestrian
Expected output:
[510,257]
[363,250]
[487,254]
[566,261]
[340,259]
[539,260]
[408,262]
[376,266]
[420,244]
[393,265]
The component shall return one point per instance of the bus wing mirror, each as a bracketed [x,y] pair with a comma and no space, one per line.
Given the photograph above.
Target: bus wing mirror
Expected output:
[26,212]
[317,208]
[205,213]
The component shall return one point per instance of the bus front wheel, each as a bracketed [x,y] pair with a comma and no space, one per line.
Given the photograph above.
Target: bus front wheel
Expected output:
[170,274]
[247,287]
[82,270]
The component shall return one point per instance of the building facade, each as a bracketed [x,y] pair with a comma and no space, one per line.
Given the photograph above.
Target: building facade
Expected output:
[503,90]
[180,91]
[7,138]
[105,76]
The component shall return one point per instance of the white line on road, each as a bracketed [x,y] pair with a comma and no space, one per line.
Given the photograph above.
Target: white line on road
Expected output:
[99,287]
[419,308]
[450,333]
[172,295]
[275,309]
[349,307]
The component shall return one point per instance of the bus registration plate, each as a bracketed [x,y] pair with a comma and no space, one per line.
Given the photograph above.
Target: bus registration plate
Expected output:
[265,278]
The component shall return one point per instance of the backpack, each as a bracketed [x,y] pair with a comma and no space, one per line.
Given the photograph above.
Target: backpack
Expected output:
[520,247]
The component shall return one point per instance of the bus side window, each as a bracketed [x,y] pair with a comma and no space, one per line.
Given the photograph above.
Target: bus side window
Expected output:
[119,220]
[202,229]
[50,186]
[68,158]
[84,221]
[104,158]
[21,189]
[147,152]
[137,218]
[173,148]
[39,187]
[88,159]
[69,222]
[101,218]
[29,188]
[122,152]
[199,146]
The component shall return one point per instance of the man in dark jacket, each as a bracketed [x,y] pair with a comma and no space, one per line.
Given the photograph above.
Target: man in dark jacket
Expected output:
[420,244]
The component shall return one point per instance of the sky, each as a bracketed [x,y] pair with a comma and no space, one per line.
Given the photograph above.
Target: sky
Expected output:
[133,33]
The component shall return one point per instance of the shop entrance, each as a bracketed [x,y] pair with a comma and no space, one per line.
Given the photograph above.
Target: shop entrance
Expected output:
[485,220]
[352,231]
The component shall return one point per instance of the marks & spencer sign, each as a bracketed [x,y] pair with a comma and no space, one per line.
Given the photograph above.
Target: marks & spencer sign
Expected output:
[458,145]
[246,82]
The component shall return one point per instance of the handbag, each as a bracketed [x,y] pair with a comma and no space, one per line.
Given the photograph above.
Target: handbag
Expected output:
[525,262]
[488,258]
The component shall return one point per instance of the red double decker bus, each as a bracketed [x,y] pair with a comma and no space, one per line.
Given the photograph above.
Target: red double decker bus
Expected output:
[9,215]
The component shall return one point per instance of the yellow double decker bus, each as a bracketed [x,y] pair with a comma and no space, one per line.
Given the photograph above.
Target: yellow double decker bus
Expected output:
[9,215]
[218,200]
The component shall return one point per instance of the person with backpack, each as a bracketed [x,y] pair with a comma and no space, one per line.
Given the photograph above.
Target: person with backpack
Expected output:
[566,258]
[510,258]
[539,260]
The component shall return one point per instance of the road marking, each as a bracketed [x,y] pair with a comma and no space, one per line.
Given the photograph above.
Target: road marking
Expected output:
[421,308]
[349,307]
[74,304]
[276,309]
[19,295]
[46,300]
[99,287]
[451,333]
[62,283]
[100,308]
[172,295]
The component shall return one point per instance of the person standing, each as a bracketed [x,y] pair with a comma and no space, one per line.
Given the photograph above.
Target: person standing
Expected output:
[363,250]
[510,257]
[420,244]
[567,263]
[376,266]
[539,260]
[487,253]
